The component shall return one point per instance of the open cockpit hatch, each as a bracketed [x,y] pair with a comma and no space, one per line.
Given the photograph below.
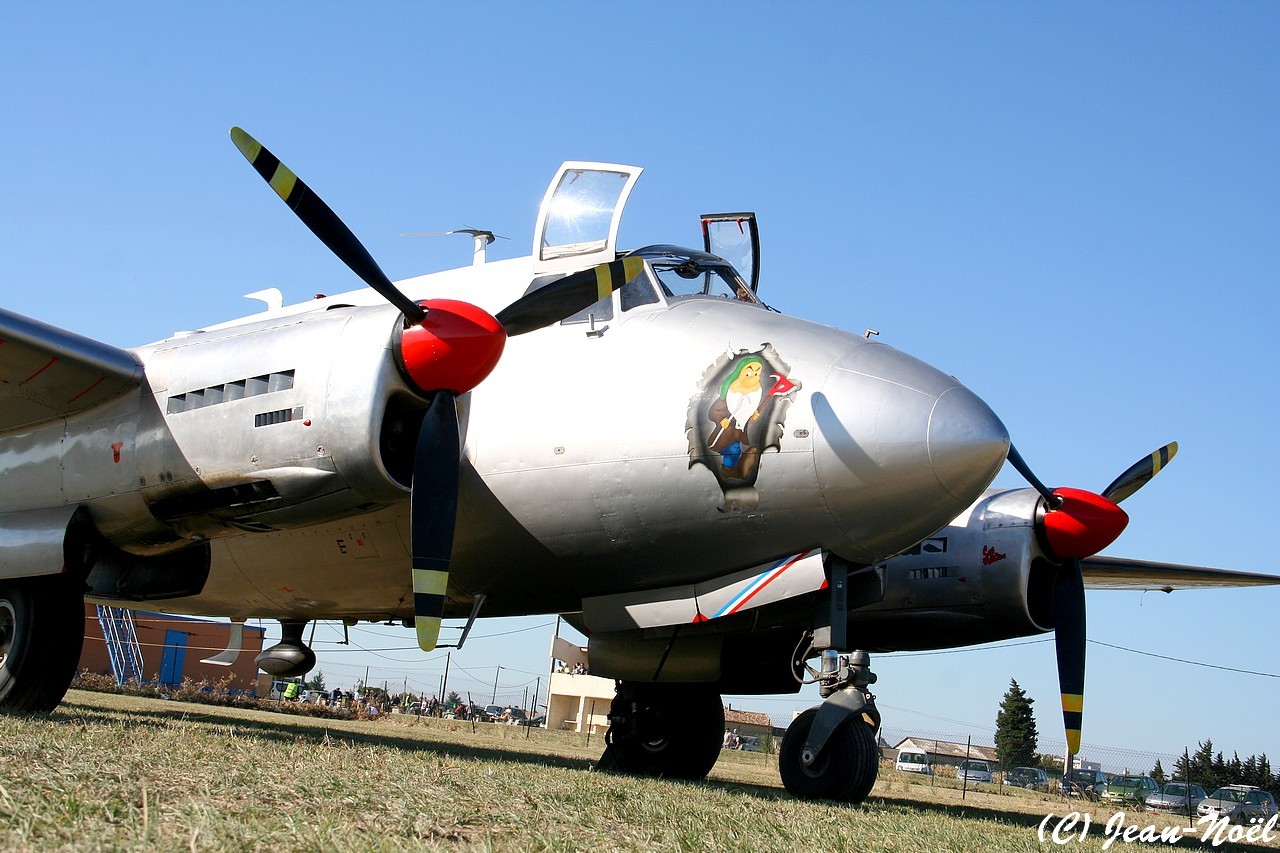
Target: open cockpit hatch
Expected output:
[577,223]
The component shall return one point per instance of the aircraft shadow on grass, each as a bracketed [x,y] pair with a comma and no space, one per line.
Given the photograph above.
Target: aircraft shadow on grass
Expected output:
[316,731]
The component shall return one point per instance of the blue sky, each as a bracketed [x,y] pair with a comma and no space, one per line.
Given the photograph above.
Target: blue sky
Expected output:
[1072,208]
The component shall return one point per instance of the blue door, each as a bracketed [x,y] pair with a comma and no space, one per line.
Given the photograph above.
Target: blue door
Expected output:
[175,655]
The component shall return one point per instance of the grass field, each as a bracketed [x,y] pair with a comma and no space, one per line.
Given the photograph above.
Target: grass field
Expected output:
[119,772]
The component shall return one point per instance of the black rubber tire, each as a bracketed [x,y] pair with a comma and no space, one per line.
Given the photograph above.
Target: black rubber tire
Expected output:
[41,635]
[681,737]
[844,771]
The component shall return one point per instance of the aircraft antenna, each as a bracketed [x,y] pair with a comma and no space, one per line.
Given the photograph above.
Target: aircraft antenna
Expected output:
[481,239]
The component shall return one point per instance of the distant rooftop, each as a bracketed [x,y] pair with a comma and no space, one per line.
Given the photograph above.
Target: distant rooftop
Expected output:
[734,717]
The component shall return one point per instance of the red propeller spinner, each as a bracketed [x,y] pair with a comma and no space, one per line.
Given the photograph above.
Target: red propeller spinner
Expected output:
[453,348]
[1083,524]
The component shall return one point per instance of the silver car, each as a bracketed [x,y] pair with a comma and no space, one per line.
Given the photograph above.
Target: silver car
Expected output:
[974,770]
[1239,804]
[1176,798]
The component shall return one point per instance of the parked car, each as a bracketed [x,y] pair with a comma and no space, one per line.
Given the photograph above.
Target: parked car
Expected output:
[1239,804]
[1130,789]
[913,762]
[1088,784]
[1176,798]
[492,713]
[1032,778]
[974,770]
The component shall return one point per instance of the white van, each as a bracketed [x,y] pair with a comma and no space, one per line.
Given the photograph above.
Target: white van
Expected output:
[913,762]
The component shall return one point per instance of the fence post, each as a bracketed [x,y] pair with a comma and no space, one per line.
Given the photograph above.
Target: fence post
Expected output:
[1187,752]
[933,777]
[533,712]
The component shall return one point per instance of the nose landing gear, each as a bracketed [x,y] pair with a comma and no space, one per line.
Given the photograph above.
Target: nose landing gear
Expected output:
[830,752]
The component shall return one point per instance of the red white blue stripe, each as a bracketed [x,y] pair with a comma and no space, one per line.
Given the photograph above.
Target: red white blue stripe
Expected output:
[758,583]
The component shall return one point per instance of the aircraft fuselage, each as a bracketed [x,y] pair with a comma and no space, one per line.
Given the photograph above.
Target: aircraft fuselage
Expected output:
[595,461]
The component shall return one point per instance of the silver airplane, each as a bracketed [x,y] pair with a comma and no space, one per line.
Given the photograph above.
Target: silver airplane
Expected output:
[724,499]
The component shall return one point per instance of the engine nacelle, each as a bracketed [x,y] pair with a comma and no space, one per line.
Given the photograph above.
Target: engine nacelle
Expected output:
[982,578]
[258,426]
[267,426]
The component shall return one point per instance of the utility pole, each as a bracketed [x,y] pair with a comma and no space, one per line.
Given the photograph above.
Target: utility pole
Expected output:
[496,673]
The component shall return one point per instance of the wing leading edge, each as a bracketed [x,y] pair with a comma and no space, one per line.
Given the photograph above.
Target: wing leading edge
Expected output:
[48,373]
[1120,573]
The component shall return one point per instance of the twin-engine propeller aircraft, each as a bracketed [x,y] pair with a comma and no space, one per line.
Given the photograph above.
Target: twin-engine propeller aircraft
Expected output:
[724,499]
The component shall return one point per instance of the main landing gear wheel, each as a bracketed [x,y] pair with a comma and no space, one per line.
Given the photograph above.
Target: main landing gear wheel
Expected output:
[670,730]
[41,634]
[844,770]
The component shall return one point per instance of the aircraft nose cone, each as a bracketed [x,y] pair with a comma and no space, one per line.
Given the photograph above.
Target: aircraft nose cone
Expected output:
[900,450]
[967,443]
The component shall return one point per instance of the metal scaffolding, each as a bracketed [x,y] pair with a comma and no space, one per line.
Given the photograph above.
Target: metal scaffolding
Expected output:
[122,643]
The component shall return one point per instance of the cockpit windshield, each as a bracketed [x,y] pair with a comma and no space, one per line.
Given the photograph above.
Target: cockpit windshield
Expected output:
[686,273]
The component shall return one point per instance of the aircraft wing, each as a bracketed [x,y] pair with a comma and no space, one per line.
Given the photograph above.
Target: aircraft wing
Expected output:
[48,373]
[1118,573]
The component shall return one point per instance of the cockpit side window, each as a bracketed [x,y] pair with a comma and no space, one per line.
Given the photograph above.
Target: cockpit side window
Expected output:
[639,291]
[636,292]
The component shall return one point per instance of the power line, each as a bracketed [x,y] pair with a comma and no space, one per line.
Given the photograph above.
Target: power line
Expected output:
[1182,660]
[1133,651]
[962,651]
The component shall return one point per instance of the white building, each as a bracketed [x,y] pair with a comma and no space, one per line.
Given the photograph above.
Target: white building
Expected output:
[577,700]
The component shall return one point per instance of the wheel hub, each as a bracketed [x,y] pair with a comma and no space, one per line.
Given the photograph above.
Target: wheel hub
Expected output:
[7,619]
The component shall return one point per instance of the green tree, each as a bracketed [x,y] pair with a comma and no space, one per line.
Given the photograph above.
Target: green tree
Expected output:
[317,681]
[1157,773]
[1182,767]
[1201,767]
[1016,736]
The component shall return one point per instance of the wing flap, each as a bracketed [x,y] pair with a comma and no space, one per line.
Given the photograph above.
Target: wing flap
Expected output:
[48,373]
[1119,573]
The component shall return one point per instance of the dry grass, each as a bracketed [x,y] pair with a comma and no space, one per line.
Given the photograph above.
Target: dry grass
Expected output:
[120,772]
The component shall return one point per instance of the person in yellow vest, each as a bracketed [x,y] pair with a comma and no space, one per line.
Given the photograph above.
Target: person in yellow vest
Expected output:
[291,691]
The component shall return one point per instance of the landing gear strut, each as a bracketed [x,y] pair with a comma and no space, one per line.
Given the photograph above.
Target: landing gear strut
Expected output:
[41,633]
[830,752]
[671,730]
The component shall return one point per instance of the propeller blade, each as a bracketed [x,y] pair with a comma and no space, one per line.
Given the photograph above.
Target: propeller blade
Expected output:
[323,222]
[1021,466]
[433,510]
[567,296]
[1140,473]
[1069,638]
